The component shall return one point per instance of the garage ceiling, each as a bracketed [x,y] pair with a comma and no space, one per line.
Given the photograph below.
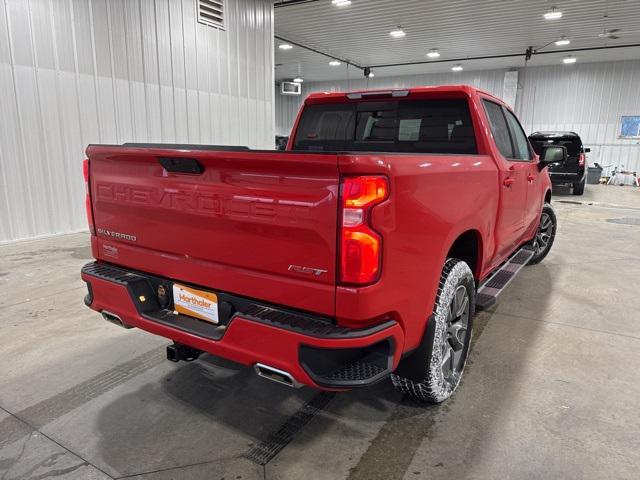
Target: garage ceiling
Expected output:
[460,30]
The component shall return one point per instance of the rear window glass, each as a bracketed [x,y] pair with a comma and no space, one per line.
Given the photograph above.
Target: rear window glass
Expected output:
[425,126]
[573,144]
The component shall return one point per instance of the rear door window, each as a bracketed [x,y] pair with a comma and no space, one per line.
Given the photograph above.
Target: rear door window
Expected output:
[520,143]
[499,128]
[423,126]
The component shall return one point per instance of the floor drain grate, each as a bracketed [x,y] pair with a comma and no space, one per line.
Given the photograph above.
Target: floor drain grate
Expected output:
[266,450]
[625,220]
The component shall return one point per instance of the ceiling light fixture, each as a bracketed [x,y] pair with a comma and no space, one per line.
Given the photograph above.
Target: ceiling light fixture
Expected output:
[457,68]
[553,14]
[398,32]
[298,80]
[433,53]
[335,63]
[341,3]
[368,73]
[568,60]
[562,41]
[285,46]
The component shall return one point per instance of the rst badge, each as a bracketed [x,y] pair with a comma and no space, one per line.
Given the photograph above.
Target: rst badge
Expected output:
[316,272]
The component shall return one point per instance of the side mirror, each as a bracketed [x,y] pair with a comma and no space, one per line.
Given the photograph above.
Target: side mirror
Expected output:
[587,150]
[552,154]
[281,142]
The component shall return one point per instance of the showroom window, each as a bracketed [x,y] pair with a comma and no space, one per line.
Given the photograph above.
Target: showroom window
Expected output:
[211,12]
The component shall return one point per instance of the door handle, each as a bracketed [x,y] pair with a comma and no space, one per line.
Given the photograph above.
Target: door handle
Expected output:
[507,182]
[530,178]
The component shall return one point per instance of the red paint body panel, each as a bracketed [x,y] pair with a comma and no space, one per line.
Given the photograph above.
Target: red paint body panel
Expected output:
[245,341]
[239,226]
[419,222]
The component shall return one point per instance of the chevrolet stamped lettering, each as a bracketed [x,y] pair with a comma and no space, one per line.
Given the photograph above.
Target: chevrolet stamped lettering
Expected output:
[203,203]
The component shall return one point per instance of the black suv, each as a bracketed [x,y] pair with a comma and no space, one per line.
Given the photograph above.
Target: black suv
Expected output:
[573,171]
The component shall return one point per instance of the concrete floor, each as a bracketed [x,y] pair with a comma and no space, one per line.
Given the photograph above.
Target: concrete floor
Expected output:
[551,389]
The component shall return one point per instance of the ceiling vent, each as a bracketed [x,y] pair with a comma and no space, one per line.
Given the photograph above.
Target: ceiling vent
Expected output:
[211,12]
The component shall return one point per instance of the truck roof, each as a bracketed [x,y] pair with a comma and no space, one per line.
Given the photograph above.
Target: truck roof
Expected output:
[399,92]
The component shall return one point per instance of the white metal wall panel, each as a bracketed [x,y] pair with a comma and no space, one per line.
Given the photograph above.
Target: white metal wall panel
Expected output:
[75,72]
[287,107]
[510,88]
[588,99]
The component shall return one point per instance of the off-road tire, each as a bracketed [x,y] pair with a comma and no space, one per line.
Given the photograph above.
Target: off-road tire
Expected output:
[578,188]
[542,251]
[434,387]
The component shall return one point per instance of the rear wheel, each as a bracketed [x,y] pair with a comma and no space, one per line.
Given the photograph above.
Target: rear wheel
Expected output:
[436,366]
[545,235]
[578,188]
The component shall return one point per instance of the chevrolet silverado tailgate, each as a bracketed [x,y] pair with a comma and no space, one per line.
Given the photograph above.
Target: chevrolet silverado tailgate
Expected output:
[256,223]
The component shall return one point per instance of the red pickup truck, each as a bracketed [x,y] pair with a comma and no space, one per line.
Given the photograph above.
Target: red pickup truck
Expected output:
[361,252]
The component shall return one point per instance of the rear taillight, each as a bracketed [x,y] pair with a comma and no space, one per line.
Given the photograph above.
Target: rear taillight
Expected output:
[581,159]
[360,244]
[87,198]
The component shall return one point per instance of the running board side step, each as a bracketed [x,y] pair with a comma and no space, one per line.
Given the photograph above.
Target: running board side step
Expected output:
[489,290]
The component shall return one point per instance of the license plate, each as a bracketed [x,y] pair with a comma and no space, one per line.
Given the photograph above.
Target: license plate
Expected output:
[195,303]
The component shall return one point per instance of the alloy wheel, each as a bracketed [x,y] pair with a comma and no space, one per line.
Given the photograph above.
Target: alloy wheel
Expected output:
[455,334]
[543,236]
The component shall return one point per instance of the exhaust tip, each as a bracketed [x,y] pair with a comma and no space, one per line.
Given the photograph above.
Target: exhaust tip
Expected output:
[113,318]
[276,375]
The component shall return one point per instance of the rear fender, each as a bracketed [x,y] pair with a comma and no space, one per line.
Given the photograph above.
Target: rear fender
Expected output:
[453,237]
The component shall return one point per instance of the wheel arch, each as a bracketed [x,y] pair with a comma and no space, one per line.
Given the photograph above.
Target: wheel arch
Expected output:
[547,196]
[467,247]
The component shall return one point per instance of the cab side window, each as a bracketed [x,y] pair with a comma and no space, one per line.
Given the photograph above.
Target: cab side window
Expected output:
[520,143]
[499,128]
